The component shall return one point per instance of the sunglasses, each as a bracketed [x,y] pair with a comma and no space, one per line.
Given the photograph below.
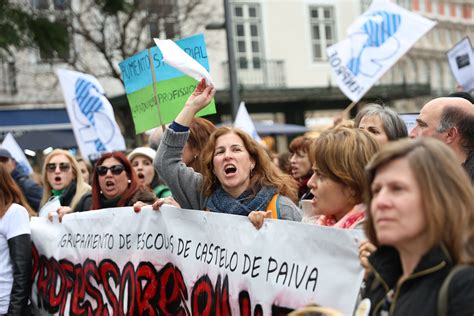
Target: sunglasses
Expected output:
[63,166]
[4,159]
[115,169]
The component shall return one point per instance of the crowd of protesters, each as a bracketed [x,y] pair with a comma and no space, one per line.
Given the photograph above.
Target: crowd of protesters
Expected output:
[413,197]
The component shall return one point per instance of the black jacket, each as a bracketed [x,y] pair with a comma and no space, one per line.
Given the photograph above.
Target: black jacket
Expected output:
[418,295]
[20,255]
[32,190]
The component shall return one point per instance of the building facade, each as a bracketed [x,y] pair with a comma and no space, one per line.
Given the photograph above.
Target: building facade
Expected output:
[280,57]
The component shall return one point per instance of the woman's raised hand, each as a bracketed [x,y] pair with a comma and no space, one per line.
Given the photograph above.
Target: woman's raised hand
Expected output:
[198,100]
[201,96]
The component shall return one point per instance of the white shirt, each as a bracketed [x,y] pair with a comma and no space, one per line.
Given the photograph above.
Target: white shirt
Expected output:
[14,222]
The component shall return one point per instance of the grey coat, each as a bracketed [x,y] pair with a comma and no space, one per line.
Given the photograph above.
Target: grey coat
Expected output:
[186,184]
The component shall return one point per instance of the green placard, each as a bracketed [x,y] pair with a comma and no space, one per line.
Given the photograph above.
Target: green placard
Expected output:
[172,95]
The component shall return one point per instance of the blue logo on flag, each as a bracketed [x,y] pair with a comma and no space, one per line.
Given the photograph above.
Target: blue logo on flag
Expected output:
[380,27]
[89,104]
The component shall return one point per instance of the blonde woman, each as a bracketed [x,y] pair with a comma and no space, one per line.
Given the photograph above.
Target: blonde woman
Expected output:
[63,180]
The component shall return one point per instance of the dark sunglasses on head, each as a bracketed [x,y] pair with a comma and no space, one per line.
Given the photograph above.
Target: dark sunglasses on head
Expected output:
[63,166]
[115,169]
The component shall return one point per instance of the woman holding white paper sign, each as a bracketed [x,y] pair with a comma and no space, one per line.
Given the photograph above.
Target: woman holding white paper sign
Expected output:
[238,176]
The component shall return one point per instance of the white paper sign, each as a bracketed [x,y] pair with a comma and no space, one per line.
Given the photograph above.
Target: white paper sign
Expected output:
[174,56]
[376,40]
[410,120]
[189,262]
[91,114]
[461,62]
[52,205]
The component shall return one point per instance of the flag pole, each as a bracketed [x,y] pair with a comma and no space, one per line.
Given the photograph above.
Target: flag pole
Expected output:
[154,89]
[348,108]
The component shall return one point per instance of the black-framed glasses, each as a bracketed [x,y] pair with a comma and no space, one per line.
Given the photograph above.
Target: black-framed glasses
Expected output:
[115,169]
[63,166]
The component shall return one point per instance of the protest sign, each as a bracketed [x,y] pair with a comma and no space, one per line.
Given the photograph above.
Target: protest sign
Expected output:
[91,114]
[185,262]
[461,62]
[409,119]
[10,144]
[376,40]
[172,87]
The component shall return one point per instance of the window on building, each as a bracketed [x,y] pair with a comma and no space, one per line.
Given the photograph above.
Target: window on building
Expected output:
[405,4]
[248,35]
[58,50]
[323,30]
[422,6]
[7,77]
[40,4]
[61,4]
[56,11]
[163,19]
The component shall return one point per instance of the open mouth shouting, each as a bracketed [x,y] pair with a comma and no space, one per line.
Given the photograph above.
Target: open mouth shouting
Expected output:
[141,177]
[230,169]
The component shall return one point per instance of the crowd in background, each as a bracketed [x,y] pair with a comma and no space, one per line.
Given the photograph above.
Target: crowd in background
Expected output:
[413,196]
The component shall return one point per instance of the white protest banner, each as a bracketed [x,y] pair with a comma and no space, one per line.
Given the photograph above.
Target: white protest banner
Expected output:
[185,262]
[245,123]
[91,114]
[461,62]
[376,40]
[12,146]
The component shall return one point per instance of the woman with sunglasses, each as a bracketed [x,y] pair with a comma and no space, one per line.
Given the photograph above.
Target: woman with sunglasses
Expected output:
[114,184]
[63,181]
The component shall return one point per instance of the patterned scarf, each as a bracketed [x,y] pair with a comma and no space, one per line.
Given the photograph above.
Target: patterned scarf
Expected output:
[222,202]
[350,220]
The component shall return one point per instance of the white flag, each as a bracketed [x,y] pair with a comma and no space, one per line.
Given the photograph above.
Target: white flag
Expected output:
[245,123]
[15,150]
[376,40]
[91,114]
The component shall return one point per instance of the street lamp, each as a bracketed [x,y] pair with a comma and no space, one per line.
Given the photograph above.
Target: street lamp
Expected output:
[233,84]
